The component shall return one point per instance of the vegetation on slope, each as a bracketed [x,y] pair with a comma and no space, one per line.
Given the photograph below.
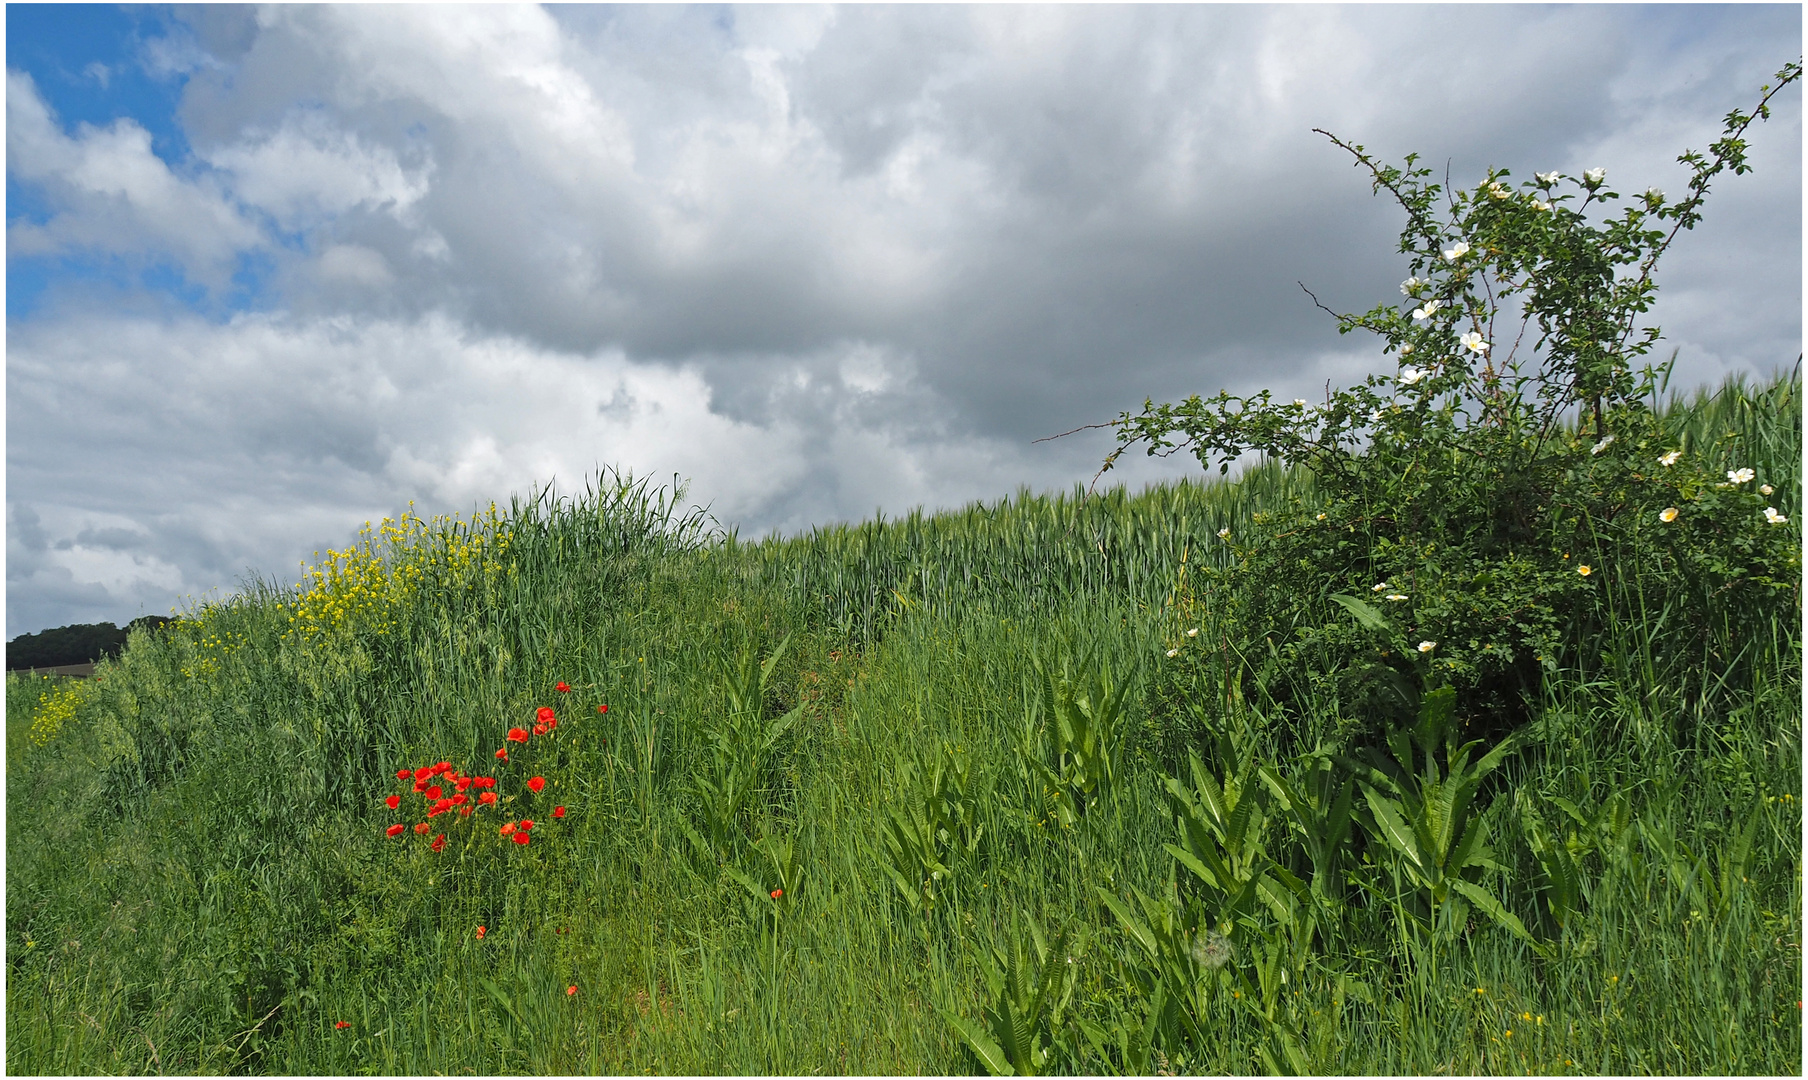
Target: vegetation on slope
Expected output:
[1321,770]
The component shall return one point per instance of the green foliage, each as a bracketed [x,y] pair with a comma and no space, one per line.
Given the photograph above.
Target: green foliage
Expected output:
[933,833]
[741,747]
[1071,739]
[1030,987]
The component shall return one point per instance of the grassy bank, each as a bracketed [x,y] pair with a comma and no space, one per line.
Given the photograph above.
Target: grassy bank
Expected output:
[868,722]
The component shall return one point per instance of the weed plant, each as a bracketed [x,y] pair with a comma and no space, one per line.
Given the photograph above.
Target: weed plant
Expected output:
[1055,784]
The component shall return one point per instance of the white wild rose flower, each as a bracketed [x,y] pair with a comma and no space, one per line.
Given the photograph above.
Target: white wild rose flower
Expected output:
[1427,646]
[1431,308]
[1740,476]
[1602,445]
[1593,177]
[1548,178]
[1540,204]
[1667,514]
[1406,349]
[1771,515]
[1766,489]
[1670,458]
[1224,533]
[1383,587]
[1410,285]
[1410,376]
[1456,252]
[1396,596]
[1473,342]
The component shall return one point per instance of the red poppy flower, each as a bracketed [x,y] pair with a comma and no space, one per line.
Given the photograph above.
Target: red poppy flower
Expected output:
[551,723]
[420,786]
[487,798]
[462,783]
[439,842]
[517,735]
[543,713]
[394,802]
[482,930]
[438,808]
[502,754]
[341,1024]
[558,811]
[460,799]
[464,811]
[562,688]
[539,729]
[485,781]
[776,893]
[602,708]
[434,792]
[424,772]
[527,824]
[521,838]
[443,767]
[570,990]
[536,784]
[395,830]
[403,774]
[421,827]
[507,829]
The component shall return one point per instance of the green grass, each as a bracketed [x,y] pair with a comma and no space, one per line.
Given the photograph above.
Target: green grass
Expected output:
[198,878]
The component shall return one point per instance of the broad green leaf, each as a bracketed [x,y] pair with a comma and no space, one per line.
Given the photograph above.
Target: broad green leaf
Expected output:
[1485,901]
[1393,830]
[1364,613]
[1131,924]
[989,1053]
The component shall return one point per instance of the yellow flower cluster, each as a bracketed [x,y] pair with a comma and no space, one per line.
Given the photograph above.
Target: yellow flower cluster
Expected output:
[366,587]
[211,648]
[57,709]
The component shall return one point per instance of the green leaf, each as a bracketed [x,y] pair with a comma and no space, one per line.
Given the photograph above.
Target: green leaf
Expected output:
[1365,613]
[1485,901]
[1132,925]
[1393,829]
[988,1052]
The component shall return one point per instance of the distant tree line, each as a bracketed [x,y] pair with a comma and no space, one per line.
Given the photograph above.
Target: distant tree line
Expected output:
[84,643]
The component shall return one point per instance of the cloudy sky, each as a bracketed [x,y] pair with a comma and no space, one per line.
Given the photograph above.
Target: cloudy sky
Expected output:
[274,272]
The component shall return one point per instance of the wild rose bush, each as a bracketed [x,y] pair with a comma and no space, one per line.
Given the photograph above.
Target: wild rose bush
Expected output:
[1482,498]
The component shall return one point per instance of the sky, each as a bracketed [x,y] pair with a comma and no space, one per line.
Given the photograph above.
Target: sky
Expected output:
[275,272]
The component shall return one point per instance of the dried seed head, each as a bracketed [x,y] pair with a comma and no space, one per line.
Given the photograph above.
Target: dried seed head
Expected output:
[1211,950]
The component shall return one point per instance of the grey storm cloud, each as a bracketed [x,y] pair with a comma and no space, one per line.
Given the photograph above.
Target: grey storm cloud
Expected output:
[819,260]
